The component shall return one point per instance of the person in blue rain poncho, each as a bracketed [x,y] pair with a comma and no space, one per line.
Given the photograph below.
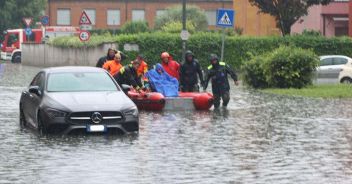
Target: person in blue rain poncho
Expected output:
[162,82]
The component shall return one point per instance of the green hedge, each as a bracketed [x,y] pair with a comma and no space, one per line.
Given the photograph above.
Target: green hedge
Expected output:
[289,66]
[238,49]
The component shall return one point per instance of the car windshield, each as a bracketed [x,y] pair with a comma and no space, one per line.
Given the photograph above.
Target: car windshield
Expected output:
[80,81]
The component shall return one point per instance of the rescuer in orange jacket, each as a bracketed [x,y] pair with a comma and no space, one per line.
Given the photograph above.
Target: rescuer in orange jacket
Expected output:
[143,67]
[113,66]
[170,66]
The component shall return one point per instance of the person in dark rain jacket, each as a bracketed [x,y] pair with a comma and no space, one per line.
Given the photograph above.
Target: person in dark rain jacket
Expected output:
[109,57]
[128,75]
[189,72]
[218,72]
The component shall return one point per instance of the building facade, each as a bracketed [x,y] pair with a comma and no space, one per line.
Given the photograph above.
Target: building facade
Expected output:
[252,22]
[112,14]
[330,20]
[350,19]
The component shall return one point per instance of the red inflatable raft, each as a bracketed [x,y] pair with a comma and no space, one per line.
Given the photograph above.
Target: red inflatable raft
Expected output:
[147,101]
[201,101]
[156,101]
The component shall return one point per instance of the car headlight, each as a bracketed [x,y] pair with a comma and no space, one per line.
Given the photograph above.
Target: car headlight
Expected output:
[54,113]
[131,112]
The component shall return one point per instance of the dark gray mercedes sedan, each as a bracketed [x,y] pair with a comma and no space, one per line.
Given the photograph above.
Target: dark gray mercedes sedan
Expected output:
[77,99]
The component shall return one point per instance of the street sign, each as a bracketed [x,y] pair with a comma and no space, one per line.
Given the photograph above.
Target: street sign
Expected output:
[225,18]
[84,19]
[28,31]
[44,20]
[28,21]
[84,36]
[184,35]
[86,27]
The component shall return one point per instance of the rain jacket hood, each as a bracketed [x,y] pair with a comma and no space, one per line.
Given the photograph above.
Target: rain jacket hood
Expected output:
[162,82]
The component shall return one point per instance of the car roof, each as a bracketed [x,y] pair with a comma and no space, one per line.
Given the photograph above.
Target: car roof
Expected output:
[332,56]
[70,69]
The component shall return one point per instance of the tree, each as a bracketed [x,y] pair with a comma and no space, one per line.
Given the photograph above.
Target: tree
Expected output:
[135,27]
[286,12]
[12,12]
[174,14]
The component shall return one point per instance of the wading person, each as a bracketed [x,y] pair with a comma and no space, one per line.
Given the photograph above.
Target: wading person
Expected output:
[128,75]
[189,72]
[170,66]
[218,72]
[109,57]
[114,66]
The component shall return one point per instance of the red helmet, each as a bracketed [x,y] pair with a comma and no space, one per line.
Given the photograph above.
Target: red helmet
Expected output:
[165,55]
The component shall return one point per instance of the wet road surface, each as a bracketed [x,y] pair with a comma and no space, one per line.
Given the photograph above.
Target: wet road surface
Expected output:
[261,138]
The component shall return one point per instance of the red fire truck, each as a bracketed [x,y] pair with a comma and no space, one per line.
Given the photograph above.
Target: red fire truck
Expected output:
[11,45]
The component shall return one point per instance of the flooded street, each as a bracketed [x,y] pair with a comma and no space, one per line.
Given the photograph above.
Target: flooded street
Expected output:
[261,138]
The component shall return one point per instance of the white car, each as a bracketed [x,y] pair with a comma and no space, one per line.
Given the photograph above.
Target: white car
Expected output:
[335,69]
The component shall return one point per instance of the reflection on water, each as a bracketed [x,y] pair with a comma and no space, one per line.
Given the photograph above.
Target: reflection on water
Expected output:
[260,138]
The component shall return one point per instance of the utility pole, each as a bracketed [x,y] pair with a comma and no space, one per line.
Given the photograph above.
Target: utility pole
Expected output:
[184,28]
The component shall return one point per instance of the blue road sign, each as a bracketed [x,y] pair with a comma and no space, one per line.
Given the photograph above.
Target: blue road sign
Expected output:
[44,20]
[225,18]
[28,31]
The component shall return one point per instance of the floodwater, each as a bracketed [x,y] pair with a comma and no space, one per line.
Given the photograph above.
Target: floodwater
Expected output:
[261,138]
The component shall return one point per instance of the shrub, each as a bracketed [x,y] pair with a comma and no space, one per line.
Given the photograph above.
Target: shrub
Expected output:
[307,32]
[135,27]
[174,14]
[104,31]
[285,67]
[290,66]
[253,72]
[176,27]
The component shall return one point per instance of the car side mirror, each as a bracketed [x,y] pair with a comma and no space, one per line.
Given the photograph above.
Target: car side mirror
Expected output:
[35,90]
[126,87]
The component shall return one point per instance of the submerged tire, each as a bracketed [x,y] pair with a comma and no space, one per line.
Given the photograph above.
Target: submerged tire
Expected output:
[41,127]
[346,81]
[16,58]
[23,122]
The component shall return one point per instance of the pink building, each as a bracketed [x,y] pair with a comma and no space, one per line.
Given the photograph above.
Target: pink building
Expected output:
[330,20]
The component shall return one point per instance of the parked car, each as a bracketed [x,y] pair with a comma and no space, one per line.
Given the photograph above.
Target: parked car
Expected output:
[334,69]
[69,99]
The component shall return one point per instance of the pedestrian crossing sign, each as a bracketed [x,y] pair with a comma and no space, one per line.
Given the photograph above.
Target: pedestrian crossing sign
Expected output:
[225,18]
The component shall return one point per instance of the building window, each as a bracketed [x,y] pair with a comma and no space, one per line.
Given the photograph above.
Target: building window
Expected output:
[113,17]
[63,17]
[160,12]
[138,15]
[91,14]
[211,17]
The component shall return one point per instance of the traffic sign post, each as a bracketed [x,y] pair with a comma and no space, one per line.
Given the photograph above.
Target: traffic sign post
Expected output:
[184,35]
[84,36]
[28,31]
[84,22]
[224,19]
[44,20]
[28,21]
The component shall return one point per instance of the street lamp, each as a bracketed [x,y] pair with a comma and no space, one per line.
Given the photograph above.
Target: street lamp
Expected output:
[184,28]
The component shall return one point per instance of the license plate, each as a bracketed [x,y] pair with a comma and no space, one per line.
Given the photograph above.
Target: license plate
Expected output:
[96,128]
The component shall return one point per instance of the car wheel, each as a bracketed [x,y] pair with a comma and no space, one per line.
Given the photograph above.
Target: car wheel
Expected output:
[23,122]
[16,58]
[346,81]
[41,127]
